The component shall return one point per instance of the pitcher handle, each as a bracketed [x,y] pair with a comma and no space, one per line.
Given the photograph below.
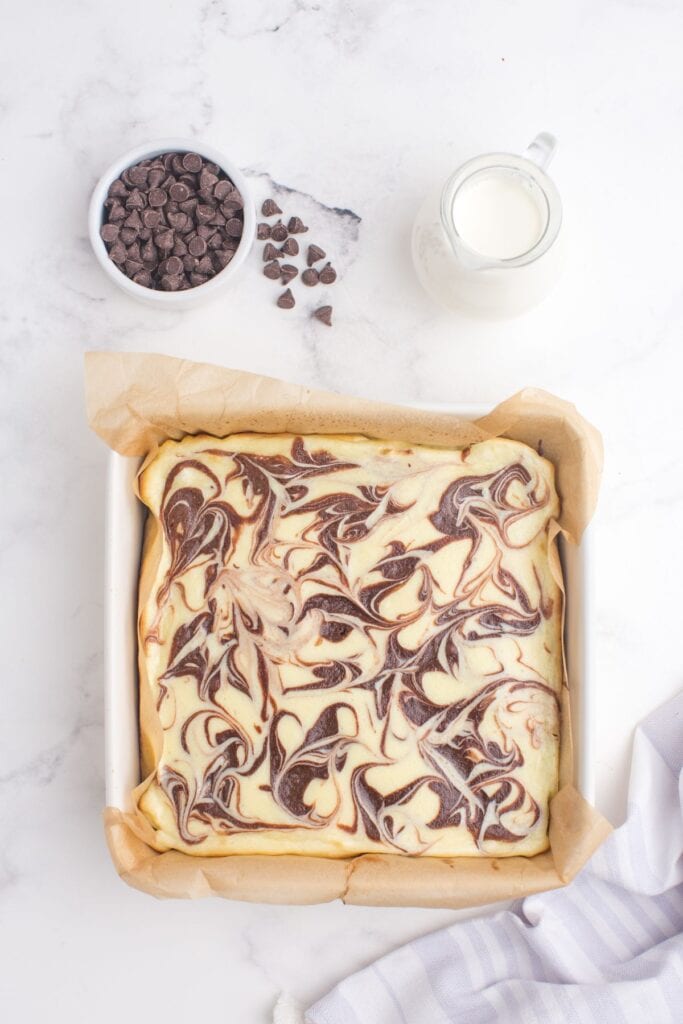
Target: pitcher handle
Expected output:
[541,150]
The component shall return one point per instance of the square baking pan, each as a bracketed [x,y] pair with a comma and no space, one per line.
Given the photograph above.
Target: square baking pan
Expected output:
[125,516]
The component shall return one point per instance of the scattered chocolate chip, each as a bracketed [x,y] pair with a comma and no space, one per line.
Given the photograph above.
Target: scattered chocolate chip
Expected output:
[315,253]
[290,247]
[109,232]
[272,270]
[310,277]
[192,162]
[286,300]
[234,227]
[289,272]
[324,314]
[263,231]
[270,253]
[296,226]
[328,275]
[278,232]
[270,208]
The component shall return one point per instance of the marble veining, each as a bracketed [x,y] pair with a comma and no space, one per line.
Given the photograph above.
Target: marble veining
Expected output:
[349,111]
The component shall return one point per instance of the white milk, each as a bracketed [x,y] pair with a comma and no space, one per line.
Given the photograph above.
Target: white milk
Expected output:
[488,241]
[498,214]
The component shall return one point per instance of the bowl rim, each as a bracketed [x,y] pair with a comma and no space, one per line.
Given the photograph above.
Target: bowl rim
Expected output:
[146,151]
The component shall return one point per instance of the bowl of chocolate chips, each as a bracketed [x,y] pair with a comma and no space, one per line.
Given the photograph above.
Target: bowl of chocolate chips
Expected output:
[171,223]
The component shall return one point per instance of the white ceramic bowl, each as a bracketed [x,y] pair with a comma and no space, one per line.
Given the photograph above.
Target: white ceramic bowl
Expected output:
[191,296]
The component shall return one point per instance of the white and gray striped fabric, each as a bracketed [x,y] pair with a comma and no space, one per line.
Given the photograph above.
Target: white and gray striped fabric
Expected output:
[608,947]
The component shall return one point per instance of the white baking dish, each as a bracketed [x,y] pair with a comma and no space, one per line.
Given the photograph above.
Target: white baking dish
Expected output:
[124,523]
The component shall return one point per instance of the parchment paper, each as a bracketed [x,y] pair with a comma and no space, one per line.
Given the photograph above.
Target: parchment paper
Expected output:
[135,401]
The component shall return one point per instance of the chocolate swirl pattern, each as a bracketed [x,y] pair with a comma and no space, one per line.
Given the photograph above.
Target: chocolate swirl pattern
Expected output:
[351,646]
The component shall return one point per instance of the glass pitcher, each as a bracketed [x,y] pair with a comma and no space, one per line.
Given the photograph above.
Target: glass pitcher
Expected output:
[489,243]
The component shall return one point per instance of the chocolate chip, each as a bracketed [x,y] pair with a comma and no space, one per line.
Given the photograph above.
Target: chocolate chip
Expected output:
[144,278]
[324,314]
[164,239]
[270,253]
[116,212]
[296,226]
[207,179]
[170,284]
[133,267]
[205,265]
[190,263]
[204,213]
[234,199]
[197,279]
[179,192]
[290,248]
[270,208]
[133,221]
[138,175]
[149,251]
[234,228]
[118,252]
[279,232]
[109,232]
[197,247]
[218,219]
[205,231]
[117,188]
[286,300]
[221,190]
[222,257]
[189,206]
[157,197]
[173,266]
[289,272]
[151,218]
[156,176]
[128,235]
[136,200]
[315,253]
[192,162]
[263,231]
[134,253]
[179,221]
[328,275]
[310,277]
[207,196]
[272,270]
[177,164]
[214,168]
[215,242]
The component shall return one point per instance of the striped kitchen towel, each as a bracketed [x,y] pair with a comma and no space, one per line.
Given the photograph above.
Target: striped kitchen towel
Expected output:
[607,948]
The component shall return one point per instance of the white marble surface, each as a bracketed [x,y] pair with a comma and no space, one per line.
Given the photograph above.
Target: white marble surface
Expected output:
[362,106]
